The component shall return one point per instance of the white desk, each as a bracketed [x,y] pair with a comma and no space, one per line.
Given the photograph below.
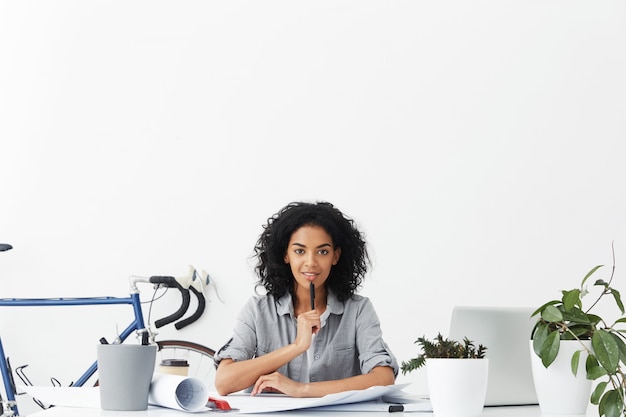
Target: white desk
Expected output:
[521,411]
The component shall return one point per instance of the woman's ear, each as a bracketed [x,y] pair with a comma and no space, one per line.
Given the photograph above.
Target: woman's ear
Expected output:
[336,256]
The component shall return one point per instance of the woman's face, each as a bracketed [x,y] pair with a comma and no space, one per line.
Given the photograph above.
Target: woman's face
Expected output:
[311,255]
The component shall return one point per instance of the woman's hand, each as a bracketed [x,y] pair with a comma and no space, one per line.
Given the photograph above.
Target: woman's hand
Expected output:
[277,382]
[308,324]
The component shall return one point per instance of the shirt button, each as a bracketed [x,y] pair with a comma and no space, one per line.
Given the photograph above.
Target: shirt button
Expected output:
[313,379]
[317,356]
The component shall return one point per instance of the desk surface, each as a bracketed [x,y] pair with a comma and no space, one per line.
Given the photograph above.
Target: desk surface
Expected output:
[520,411]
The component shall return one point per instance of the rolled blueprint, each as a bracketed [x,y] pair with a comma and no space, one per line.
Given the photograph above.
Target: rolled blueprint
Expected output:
[178,392]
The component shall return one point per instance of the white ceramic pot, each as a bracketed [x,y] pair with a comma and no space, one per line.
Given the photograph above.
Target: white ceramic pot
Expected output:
[558,390]
[457,387]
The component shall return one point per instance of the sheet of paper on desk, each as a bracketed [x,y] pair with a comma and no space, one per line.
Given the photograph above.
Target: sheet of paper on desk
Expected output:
[170,391]
[65,396]
[90,397]
[265,403]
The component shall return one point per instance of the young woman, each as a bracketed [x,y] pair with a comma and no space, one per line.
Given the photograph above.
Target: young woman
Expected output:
[310,335]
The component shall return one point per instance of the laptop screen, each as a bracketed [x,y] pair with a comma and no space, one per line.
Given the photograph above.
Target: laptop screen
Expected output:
[505,331]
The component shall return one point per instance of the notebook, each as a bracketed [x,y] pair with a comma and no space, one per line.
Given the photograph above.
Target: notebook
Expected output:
[505,331]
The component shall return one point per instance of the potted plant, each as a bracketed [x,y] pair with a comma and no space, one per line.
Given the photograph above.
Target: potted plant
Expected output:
[598,341]
[456,387]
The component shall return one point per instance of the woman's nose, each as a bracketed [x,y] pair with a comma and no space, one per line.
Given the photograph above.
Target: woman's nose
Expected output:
[311,259]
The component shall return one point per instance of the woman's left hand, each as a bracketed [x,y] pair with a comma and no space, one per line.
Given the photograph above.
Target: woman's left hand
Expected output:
[277,382]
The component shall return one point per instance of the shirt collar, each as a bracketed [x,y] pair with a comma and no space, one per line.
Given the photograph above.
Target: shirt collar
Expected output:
[285,304]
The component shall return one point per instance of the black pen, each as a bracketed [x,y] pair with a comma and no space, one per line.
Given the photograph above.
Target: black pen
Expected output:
[399,408]
[312,292]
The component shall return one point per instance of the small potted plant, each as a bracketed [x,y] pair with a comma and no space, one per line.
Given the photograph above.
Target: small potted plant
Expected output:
[456,387]
[564,325]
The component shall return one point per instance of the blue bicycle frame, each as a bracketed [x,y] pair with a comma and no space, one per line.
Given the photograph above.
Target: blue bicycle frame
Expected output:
[137,325]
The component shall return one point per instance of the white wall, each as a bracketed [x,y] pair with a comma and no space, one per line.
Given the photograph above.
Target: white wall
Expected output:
[479,144]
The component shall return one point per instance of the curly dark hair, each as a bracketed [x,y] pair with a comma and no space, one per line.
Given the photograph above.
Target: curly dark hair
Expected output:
[345,277]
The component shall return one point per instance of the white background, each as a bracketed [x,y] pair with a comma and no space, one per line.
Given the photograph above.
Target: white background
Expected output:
[478,144]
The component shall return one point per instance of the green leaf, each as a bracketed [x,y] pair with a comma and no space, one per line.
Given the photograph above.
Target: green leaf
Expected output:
[621,345]
[576,315]
[594,319]
[571,299]
[618,299]
[551,314]
[582,331]
[574,362]
[611,404]
[606,350]
[550,348]
[594,370]
[539,338]
[590,273]
[540,309]
[597,392]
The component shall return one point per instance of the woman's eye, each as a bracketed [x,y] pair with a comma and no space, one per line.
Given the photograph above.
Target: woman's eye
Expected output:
[323,252]
[299,251]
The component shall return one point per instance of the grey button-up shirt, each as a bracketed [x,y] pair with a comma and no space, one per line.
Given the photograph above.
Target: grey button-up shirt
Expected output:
[349,344]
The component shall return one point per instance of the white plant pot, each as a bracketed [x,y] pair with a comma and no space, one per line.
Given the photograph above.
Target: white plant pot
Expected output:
[457,387]
[558,390]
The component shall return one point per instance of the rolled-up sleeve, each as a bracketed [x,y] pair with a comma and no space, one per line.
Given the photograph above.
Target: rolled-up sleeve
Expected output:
[242,345]
[373,351]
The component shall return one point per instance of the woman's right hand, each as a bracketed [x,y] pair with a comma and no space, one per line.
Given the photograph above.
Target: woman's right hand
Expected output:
[309,323]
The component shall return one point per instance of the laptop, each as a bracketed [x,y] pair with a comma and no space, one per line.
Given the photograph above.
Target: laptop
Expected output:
[505,331]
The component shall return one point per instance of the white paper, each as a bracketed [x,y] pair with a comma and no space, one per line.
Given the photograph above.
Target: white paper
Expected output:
[65,396]
[163,393]
[267,403]
[171,391]
[178,392]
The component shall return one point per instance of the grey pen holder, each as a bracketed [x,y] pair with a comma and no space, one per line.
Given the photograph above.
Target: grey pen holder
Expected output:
[125,372]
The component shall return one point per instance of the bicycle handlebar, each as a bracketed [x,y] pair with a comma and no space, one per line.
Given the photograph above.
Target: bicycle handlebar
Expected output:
[183,286]
[171,282]
[196,315]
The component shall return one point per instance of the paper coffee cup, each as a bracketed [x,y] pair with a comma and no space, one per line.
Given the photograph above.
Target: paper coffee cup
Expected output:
[174,367]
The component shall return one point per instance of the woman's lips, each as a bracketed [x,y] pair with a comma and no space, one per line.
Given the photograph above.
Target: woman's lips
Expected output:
[310,275]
